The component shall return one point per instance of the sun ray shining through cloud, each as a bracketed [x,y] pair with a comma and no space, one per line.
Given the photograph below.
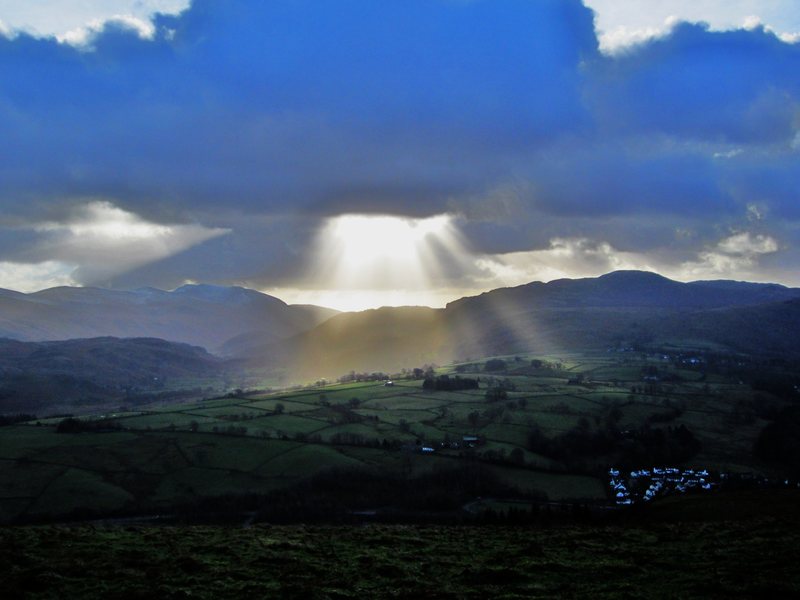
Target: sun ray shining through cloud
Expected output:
[550,155]
[365,261]
[98,240]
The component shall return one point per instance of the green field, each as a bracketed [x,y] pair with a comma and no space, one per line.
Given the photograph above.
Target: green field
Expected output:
[260,443]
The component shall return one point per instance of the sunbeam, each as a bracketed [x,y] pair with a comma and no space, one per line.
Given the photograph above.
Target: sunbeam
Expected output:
[367,261]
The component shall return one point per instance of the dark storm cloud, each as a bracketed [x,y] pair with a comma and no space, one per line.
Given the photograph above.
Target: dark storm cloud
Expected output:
[504,112]
[273,105]
[737,86]
[262,253]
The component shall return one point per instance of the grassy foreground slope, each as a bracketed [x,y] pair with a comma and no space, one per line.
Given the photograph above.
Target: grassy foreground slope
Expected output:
[718,557]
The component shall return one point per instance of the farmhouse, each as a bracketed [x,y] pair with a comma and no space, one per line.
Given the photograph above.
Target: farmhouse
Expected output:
[471,441]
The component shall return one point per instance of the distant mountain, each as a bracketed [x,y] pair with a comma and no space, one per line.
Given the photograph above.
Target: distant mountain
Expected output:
[620,307]
[69,375]
[629,289]
[203,315]
[623,306]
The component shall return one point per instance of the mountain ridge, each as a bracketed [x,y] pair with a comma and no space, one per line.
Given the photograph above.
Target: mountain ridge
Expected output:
[562,315]
[703,293]
[203,315]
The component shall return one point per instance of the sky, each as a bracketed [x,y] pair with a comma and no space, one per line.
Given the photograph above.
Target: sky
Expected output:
[353,153]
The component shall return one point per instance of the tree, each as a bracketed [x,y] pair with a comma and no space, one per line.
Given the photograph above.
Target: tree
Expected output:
[496,393]
[69,425]
[279,408]
[495,364]
[447,383]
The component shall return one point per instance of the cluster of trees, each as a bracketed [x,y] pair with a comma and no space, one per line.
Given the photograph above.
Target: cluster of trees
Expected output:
[347,438]
[643,446]
[449,384]
[495,394]
[334,494]
[543,368]
[344,414]
[359,377]
[497,389]
[18,418]
[424,372]
[666,416]
[491,414]
[577,443]
[779,441]
[73,425]
[230,430]
[659,445]
[781,385]
[238,417]
[760,406]
[539,364]
[777,376]
[515,457]
[495,364]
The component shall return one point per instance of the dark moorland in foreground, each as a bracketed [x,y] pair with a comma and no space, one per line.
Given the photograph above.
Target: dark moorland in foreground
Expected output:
[743,546]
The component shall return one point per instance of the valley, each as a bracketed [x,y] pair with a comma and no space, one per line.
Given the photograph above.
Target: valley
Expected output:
[533,428]
[608,426]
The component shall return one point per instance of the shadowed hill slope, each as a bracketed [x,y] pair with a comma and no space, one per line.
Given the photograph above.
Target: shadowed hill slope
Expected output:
[627,289]
[202,315]
[37,376]
[628,307]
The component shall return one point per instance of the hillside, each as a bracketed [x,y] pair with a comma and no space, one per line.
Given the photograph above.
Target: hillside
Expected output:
[72,375]
[629,289]
[620,308]
[202,315]
[627,308]
[533,431]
